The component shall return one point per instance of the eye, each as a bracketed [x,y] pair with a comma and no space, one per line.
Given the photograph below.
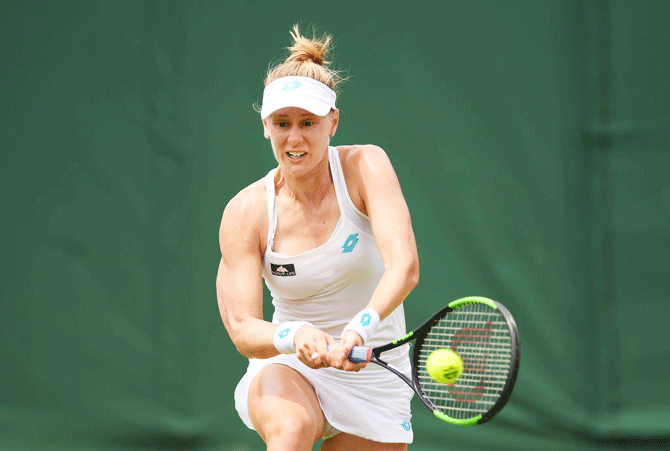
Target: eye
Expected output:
[282,124]
[309,123]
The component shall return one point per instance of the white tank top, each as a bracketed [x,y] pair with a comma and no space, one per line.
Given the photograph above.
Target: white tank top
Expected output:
[328,285]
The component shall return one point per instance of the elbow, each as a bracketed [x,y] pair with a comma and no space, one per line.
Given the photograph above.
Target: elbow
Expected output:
[413,273]
[251,351]
[409,272]
[237,341]
[236,333]
[243,349]
[234,329]
[243,346]
[247,341]
[406,271]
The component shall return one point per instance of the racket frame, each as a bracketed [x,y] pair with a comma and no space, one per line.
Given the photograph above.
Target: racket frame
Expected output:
[419,334]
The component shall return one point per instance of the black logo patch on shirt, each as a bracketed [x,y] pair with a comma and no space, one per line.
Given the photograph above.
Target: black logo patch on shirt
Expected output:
[283,270]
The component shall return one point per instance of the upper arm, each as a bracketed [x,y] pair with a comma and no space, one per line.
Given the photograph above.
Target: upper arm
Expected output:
[239,279]
[379,189]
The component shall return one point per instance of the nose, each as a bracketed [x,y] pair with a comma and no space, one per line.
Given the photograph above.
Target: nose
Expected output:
[295,135]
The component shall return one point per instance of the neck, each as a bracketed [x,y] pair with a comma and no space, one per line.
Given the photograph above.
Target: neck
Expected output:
[310,188]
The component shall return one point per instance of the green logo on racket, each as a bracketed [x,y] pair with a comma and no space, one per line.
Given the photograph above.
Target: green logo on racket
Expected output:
[350,244]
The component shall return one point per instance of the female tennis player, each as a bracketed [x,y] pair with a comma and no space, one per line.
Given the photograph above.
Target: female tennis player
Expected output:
[329,231]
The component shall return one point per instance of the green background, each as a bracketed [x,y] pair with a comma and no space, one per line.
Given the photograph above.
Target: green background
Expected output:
[531,139]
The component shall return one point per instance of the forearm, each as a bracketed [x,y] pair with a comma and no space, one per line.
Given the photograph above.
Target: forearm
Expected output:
[396,283]
[253,337]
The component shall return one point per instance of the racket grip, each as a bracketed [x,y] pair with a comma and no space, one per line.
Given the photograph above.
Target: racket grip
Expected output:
[359,354]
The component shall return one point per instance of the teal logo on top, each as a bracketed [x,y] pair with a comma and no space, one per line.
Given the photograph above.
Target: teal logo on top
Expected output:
[406,425]
[350,244]
[366,319]
[291,85]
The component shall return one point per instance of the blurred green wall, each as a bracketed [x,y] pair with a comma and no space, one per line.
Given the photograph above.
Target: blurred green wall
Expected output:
[531,139]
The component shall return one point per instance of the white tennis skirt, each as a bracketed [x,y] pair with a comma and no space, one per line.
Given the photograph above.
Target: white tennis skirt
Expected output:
[373,403]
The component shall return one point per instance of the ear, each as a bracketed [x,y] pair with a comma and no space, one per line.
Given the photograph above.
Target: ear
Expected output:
[335,118]
[266,131]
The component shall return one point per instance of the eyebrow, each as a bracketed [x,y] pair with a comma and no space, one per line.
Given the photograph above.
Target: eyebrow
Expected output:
[302,115]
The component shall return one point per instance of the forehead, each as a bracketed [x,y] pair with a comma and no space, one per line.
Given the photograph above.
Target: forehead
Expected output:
[292,111]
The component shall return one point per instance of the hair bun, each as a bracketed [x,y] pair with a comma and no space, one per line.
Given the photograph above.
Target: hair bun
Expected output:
[308,50]
[307,59]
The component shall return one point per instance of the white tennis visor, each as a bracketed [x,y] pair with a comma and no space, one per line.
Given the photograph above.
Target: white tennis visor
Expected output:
[296,91]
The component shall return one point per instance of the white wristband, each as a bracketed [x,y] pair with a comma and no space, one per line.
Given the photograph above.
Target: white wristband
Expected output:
[364,324]
[285,335]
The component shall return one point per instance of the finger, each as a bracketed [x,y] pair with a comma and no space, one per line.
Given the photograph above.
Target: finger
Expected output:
[305,356]
[336,356]
[324,347]
[316,360]
[341,358]
[347,364]
[321,348]
[355,367]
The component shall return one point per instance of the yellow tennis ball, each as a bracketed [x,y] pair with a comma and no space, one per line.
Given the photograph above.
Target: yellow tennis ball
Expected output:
[444,365]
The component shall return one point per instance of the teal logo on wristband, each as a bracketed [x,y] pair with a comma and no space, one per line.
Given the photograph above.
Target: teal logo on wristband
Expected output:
[284,332]
[366,319]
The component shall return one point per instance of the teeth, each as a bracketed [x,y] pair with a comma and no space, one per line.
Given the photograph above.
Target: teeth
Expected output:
[296,154]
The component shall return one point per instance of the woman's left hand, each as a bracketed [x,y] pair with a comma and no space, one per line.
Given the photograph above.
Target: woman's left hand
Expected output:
[338,356]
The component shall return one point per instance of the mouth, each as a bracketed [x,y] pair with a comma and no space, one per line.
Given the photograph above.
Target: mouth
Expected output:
[296,155]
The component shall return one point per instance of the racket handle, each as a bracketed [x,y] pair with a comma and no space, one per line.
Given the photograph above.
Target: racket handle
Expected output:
[359,354]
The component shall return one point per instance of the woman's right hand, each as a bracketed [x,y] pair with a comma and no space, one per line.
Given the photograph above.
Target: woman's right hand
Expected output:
[312,342]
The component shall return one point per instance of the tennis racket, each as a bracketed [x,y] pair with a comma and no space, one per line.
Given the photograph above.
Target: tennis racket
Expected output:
[483,333]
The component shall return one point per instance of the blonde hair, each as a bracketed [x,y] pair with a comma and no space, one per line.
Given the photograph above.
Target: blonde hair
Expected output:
[307,59]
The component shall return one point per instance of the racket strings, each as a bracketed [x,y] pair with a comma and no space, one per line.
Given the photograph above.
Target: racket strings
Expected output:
[480,336]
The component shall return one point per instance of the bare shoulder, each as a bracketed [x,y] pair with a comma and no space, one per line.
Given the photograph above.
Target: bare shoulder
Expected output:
[250,199]
[364,156]
[363,163]
[245,216]
[365,167]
